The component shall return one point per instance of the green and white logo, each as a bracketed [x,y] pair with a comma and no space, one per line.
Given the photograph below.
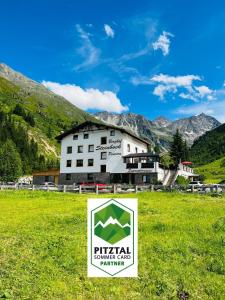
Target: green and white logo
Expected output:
[112,223]
[112,237]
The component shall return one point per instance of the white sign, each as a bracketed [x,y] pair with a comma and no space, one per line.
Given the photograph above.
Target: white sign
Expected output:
[112,238]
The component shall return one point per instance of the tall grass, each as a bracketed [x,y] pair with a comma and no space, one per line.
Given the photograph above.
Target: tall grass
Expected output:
[43,248]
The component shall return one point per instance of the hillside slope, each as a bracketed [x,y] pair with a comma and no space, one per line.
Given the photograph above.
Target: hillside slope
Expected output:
[213,172]
[209,147]
[51,113]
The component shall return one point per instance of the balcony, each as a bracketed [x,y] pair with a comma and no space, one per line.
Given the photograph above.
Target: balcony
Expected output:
[132,165]
[149,165]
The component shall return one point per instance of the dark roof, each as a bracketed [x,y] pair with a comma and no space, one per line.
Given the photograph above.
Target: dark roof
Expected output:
[82,125]
[140,155]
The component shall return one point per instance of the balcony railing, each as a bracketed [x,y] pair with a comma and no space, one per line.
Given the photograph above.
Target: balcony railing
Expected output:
[132,166]
[147,165]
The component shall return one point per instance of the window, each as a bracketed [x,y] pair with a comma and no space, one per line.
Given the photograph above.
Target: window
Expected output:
[103,168]
[90,177]
[80,149]
[90,148]
[136,149]
[69,163]
[112,132]
[68,176]
[79,162]
[103,140]
[75,137]
[90,162]
[128,147]
[86,136]
[69,150]
[146,178]
[103,155]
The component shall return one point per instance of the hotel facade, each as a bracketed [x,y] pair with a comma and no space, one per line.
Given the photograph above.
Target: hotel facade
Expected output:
[99,153]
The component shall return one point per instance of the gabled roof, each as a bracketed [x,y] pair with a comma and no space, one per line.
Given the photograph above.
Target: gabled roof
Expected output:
[99,125]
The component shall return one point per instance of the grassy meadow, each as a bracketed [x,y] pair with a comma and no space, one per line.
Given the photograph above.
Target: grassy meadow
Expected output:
[43,248]
[213,172]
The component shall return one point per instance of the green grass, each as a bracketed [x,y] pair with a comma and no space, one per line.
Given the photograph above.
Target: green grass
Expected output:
[43,248]
[213,172]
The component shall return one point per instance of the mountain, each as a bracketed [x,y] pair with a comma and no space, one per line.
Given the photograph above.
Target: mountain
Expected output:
[111,221]
[209,147]
[49,113]
[160,130]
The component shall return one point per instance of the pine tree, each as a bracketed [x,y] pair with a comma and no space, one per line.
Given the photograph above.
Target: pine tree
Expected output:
[186,152]
[157,149]
[10,162]
[177,148]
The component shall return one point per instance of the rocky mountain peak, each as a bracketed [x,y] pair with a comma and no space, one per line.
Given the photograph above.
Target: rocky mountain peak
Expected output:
[161,121]
[17,78]
[160,130]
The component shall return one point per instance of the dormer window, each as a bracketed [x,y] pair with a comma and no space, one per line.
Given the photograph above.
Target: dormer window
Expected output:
[86,136]
[75,137]
[112,132]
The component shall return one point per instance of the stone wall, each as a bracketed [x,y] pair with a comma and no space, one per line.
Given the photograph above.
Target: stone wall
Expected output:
[41,179]
[103,178]
[83,177]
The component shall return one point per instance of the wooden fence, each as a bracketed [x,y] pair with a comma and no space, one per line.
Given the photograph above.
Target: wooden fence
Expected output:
[117,188]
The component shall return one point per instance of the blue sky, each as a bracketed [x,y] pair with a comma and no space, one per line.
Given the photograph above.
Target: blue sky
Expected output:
[148,57]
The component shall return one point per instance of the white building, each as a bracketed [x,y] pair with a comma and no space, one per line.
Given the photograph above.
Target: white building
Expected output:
[100,153]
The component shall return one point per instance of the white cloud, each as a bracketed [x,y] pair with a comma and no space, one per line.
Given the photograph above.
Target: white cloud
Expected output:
[161,90]
[163,43]
[88,51]
[109,31]
[203,90]
[87,98]
[140,80]
[134,55]
[177,80]
[184,85]
[199,92]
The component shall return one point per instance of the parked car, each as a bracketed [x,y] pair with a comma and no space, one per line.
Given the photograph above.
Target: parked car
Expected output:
[51,186]
[23,184]
[101,186]
[195,183]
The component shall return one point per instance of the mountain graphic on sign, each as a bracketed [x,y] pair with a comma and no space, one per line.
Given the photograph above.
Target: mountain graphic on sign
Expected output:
[112,223]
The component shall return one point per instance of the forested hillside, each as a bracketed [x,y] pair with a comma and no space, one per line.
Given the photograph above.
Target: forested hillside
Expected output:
[209,147]
[30,118]
[19,153]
